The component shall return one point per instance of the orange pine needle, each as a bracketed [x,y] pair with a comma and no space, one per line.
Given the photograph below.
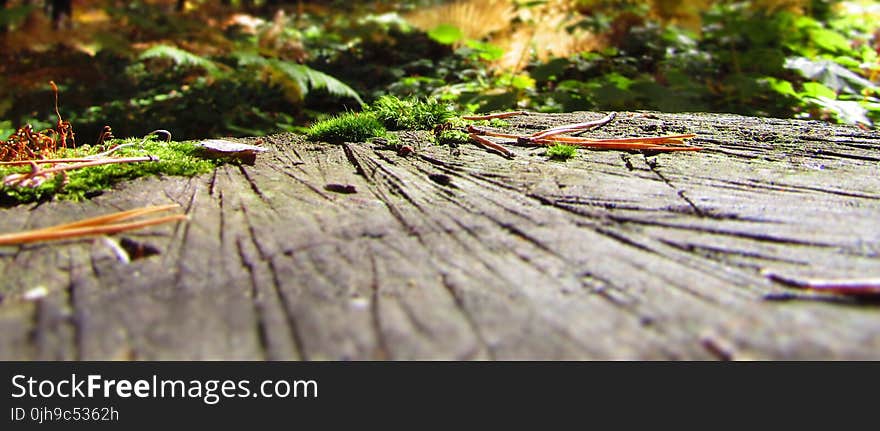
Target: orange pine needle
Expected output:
[101,225]
[498,148]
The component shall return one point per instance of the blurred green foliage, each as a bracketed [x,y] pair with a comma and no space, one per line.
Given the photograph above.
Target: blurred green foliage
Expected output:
[285,71]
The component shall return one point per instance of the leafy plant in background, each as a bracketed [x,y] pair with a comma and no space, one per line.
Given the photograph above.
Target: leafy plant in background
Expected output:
[741,58]
[268,73]
[244,83]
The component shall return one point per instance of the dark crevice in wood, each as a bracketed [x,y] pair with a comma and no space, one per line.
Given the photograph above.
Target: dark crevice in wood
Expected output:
[288,313]
[255,187]
[349,154]
[714,252]
[653,164]
[737,234]
[472,323]
[256,299]
[212,182]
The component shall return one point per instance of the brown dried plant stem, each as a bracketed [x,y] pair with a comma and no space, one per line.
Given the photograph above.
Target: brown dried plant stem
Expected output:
[99,162]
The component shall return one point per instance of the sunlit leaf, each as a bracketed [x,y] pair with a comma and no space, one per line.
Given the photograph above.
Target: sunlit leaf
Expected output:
[446,34]
[780,86]
[486,51]
[816,90]
[829,40]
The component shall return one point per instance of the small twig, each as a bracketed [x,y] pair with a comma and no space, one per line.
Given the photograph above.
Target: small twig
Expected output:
[159,132]
[850,287]
[571,128]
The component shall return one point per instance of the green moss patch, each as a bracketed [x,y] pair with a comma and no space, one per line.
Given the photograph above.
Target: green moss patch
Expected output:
[452,137]
[411,114]
[561,152]
[175,158]
[347,127]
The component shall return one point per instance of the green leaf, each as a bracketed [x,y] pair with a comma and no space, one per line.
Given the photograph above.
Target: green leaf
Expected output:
[780,86]
[829,40]
[519,82]
[619,81]
[446,34]
[6,130]
[817,90]
[486,51]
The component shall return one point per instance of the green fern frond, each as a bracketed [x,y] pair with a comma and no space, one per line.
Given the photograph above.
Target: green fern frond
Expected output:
[181,57]
[308,78]
[249,58]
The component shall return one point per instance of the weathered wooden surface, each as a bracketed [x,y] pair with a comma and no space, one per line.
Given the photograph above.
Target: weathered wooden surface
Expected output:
[466,255]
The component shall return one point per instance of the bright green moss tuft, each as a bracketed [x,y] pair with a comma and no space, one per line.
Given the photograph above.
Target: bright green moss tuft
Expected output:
[452,137]
[411,114]
[347,127]
[175,158]
[561,152]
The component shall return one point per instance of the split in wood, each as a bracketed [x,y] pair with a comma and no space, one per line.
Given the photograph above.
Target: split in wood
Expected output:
[101,225]
[557,135]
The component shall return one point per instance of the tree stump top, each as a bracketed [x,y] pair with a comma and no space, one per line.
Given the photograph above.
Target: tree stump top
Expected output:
[350,251]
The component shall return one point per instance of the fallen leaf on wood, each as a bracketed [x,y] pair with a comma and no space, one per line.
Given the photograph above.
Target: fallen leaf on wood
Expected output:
[223,148]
